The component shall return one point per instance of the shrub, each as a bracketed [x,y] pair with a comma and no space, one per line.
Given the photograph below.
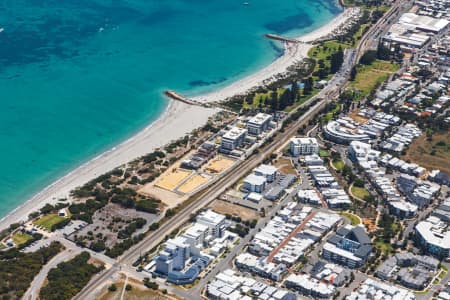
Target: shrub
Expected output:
[112,288]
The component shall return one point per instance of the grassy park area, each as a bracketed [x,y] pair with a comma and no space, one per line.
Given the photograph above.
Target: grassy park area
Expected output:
[21,238]
[324,153]
[48,221]
[323,51]
[368,77]
[383,247]
[338,164]
[354,219]
[360,192]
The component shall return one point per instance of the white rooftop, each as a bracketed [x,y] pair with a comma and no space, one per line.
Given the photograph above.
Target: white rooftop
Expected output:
[260,118]
[234,133]
[266,169]
[253,179]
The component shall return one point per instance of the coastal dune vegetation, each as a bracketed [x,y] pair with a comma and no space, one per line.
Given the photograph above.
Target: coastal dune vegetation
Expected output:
[68,278]
[18,269]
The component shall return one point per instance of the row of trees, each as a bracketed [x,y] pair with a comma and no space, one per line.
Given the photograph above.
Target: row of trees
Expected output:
[289,96]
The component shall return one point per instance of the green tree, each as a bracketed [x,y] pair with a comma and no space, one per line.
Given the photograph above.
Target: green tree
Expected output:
[368,57]
[336,60]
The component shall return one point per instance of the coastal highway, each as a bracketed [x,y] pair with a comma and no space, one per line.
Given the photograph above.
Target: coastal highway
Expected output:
[326,95]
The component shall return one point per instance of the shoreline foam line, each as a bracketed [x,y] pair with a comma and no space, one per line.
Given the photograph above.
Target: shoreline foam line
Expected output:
[177,120]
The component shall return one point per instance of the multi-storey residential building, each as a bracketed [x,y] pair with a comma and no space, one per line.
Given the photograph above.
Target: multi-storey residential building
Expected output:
[259,123]
[254,183]
[268,171]
[173,257]
[182,259]
[214,221]
[233,138]
[350,246]
[433,236]
[304,146]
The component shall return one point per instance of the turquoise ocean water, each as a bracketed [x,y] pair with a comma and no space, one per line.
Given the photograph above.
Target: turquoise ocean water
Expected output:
[78,76]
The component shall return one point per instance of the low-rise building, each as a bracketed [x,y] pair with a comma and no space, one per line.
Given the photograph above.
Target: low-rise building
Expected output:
[374,289]
[361,152]
[230,285]
[402,208]
[309,196]
[410,270]
[259,265]
[343,132]
[313,160]
[310,286]
[443,211]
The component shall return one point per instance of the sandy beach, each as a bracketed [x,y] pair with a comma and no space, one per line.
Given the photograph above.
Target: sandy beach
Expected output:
[293,54]
[178,120]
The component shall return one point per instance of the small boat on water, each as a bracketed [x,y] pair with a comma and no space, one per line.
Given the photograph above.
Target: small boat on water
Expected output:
[2,29]
[246,3]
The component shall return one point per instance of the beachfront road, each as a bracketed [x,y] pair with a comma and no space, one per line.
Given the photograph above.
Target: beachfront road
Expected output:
[328,94]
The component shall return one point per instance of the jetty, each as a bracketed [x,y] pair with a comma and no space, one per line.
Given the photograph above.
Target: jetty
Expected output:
[175,96]
[281,38]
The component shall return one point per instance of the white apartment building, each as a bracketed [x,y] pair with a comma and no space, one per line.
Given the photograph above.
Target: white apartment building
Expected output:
[233,138]
[304,146]
[259,123]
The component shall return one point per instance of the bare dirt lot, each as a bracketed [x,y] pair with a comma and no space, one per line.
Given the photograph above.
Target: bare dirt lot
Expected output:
[284,165]
[170,179]
[357,118]
[218,165]
[434,154]
[193,183]
[168,198]
[224,207]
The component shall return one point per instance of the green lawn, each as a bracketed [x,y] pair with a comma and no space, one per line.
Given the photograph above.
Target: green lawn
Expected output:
[338,164]
[324,153]
[359,192]
[354,220]
[48,221]
[383,247]
[369,76]
[21,238]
